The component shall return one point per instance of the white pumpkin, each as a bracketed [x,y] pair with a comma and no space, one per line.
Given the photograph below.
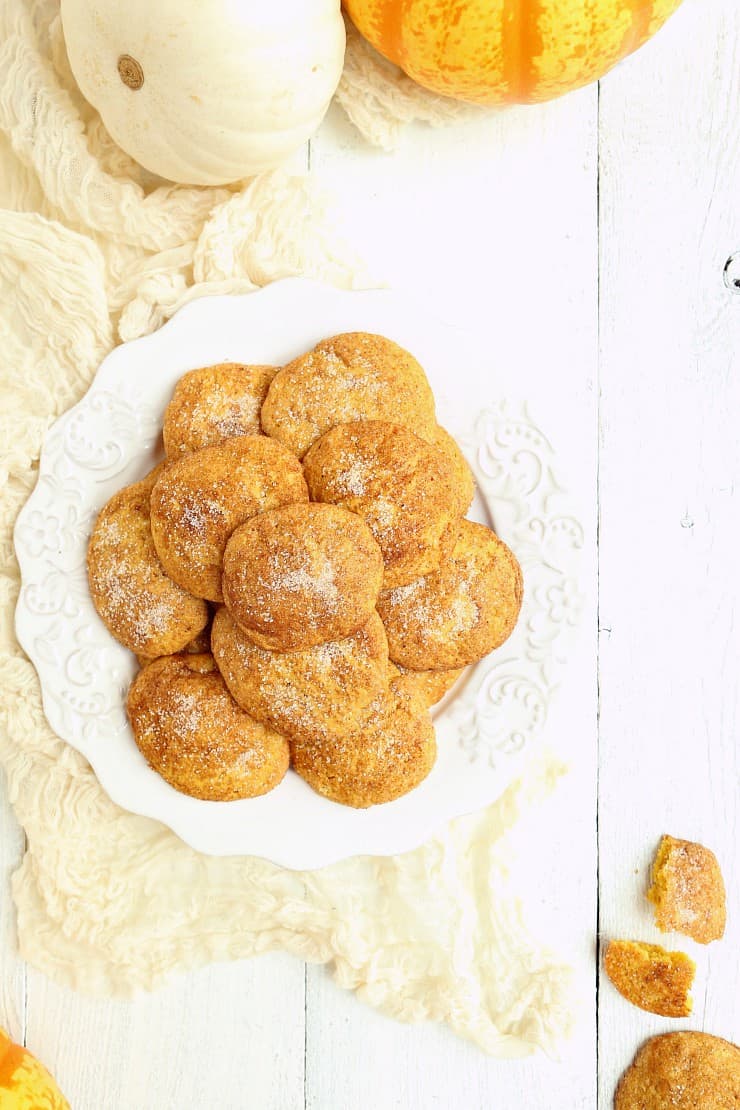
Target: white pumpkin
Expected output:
[206,91]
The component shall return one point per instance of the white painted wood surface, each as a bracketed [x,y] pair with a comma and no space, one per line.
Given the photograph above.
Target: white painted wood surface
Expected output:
[633,349]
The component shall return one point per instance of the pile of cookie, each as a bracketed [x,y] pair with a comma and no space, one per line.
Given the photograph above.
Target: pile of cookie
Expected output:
[298,579]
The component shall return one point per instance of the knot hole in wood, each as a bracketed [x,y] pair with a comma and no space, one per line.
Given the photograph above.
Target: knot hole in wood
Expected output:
[732,273]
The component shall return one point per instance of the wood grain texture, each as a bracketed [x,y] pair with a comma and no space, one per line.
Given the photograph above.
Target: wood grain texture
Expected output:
[231,1036]
[669,489]
[12,970]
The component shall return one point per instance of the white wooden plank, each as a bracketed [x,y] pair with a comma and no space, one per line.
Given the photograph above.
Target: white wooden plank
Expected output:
[426,1066]
[492,223]
[12,969]
[670,476]
[220,1037]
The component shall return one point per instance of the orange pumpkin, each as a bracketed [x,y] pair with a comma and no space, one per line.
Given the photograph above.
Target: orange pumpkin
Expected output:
[507,51]
[25,1084]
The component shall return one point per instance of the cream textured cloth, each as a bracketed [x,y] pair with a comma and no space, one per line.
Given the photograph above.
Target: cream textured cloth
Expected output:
[91,252]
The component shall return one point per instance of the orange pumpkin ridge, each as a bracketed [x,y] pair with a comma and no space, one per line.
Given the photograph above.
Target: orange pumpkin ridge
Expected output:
[522,43]
[390,28]
[512,31]
[507,51]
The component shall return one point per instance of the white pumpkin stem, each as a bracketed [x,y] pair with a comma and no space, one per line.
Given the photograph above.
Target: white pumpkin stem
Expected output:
[130,72]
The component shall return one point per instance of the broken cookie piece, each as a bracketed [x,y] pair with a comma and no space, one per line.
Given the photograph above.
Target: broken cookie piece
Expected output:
[650,977]
[688,891]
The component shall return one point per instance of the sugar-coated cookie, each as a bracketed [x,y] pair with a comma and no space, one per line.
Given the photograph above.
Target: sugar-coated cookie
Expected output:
[461,611]
[322,691]
[682,1071]
[301,575]
[140,605]
[390,755]
[353,376]
[213,403]
[191,732]
[404,489]
[199,500]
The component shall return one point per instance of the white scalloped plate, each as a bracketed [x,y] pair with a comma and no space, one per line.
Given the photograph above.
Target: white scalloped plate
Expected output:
[111,438]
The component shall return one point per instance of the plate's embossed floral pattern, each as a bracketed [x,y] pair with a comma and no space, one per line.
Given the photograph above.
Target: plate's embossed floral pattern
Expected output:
[84,672]
[505,702]
[125,422]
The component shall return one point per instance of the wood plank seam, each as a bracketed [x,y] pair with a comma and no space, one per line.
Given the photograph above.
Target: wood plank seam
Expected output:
[597,944]
[305,1030]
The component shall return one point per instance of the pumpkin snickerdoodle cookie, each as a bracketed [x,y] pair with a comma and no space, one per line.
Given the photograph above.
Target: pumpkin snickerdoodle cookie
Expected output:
[461,611]
[213,403]
[393,751]
[202,498]
[349,377]
[140,605]
[682,1071]
[301,575]
[406,491]
[191,731]
[318,692]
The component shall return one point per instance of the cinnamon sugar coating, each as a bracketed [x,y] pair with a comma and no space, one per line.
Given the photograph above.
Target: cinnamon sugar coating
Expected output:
[404,489]
[140,605]
[213,403]
[203,497]
[322,691]
[688,890]
[191,732]
[301,575]
[460,612]
[348,377]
